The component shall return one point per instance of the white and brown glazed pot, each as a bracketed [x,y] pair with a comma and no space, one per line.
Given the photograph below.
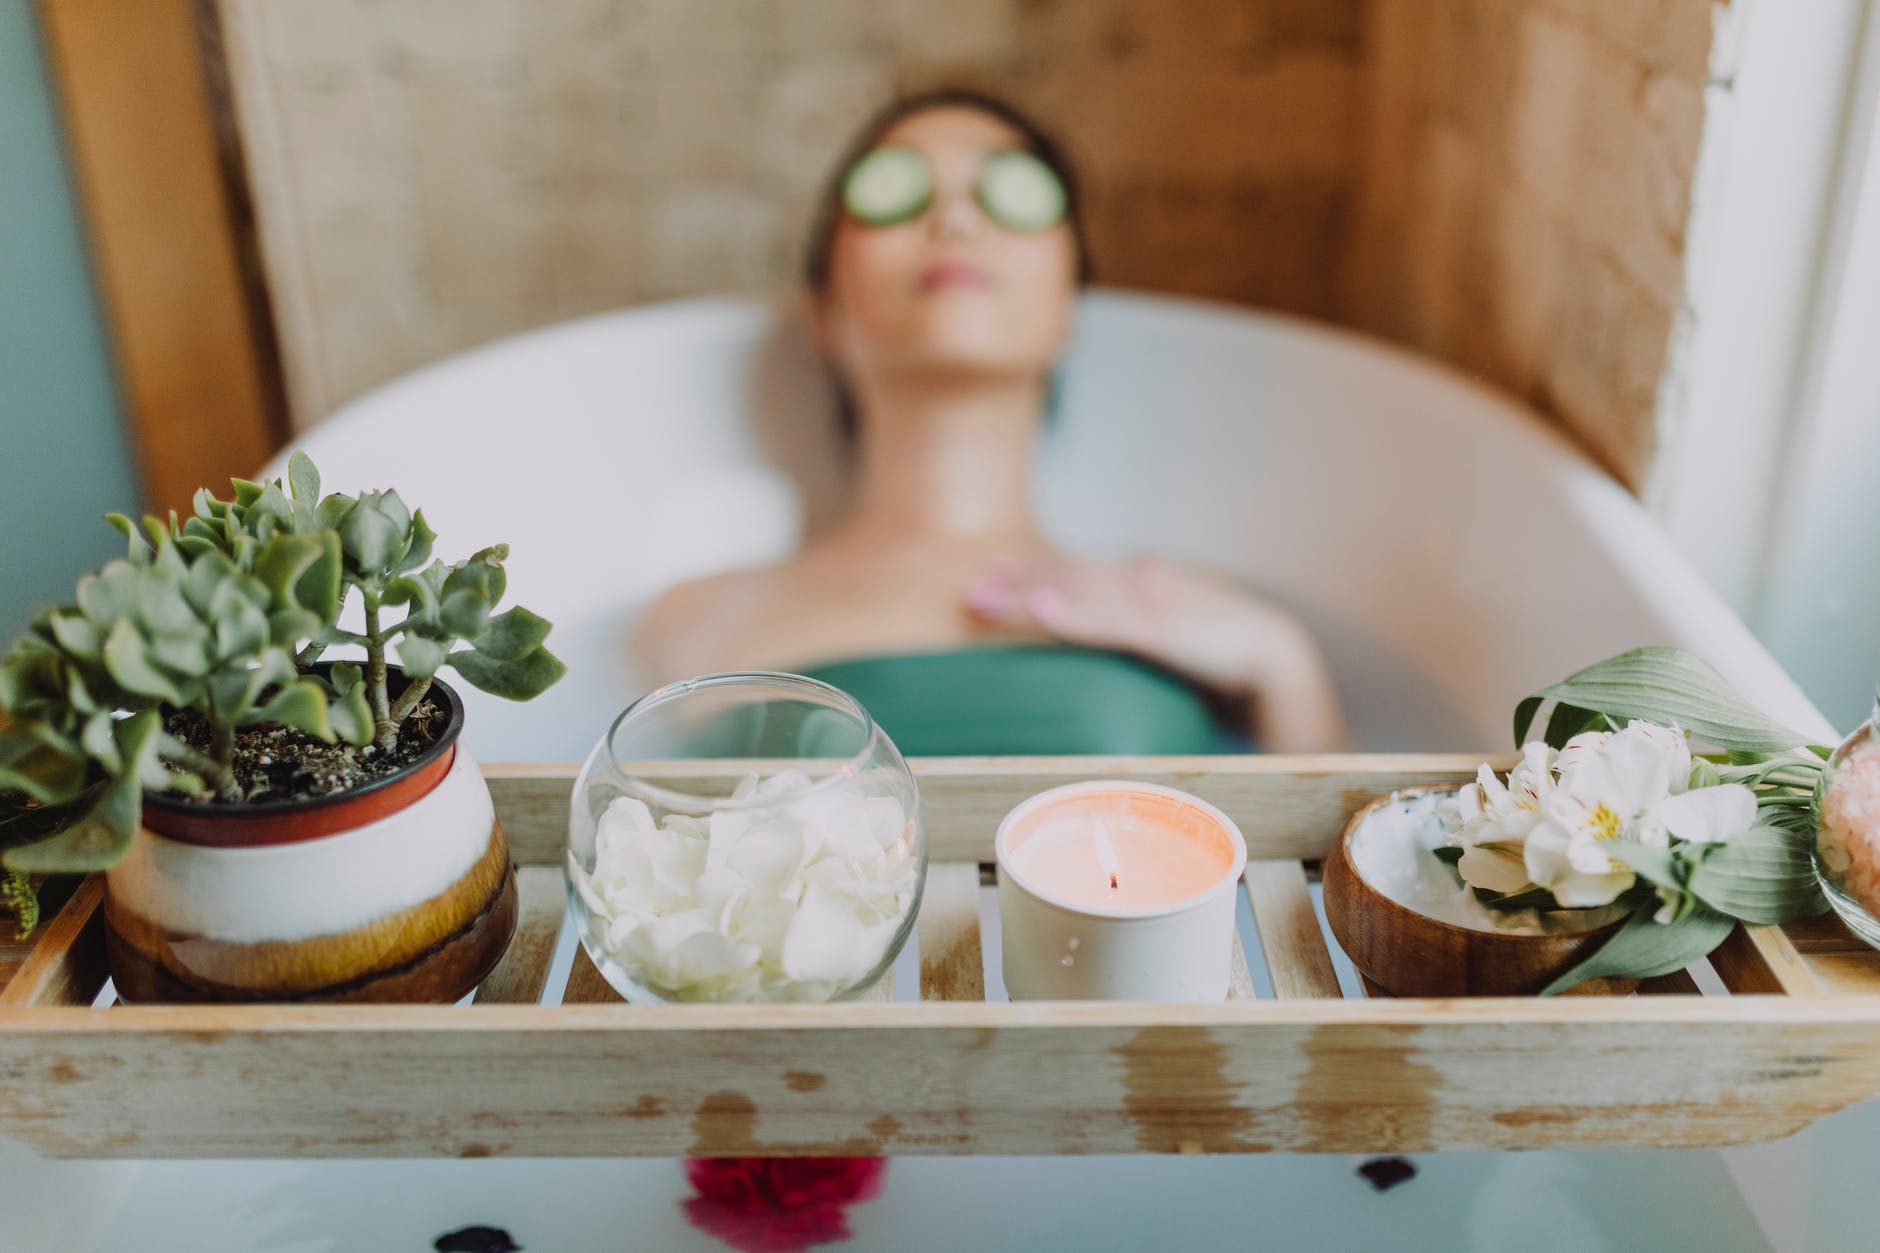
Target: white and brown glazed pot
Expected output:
[398,890]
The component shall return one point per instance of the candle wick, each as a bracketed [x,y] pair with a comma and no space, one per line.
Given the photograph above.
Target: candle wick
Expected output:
[1112,883]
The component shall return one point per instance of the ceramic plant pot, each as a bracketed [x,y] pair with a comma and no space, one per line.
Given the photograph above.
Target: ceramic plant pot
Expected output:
[399,890]
[1402,952]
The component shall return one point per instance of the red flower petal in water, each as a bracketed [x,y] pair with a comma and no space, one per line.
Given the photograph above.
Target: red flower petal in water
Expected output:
[779,1204]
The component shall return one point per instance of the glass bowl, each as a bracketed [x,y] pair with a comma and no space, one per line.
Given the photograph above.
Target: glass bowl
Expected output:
[745,837]
[1847,831]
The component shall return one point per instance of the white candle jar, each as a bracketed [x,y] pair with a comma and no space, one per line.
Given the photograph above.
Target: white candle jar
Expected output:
[1118,891]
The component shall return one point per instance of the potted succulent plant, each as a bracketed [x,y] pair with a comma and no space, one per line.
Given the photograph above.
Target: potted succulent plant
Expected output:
[272,825]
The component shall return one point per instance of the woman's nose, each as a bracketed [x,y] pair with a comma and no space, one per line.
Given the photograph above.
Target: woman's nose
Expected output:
[957,216]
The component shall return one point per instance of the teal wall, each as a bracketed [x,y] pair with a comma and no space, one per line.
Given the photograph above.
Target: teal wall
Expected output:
[63,459]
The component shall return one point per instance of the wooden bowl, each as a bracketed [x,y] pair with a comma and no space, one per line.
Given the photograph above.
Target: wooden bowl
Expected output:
[1404,953]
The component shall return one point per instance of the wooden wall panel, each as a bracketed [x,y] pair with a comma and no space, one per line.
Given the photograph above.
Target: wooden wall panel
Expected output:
[166,229]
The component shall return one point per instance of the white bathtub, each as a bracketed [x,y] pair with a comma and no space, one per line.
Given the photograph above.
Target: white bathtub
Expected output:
[1453,550]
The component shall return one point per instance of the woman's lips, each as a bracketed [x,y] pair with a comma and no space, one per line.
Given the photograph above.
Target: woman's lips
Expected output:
[945,275]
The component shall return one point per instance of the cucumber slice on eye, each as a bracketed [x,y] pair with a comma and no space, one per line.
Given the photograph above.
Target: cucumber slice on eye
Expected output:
[1020,192]
[887,186]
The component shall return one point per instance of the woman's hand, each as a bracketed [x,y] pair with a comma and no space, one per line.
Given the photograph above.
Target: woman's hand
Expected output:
[1216,634]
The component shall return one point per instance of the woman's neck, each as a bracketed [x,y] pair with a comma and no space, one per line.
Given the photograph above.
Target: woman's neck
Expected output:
[946,460]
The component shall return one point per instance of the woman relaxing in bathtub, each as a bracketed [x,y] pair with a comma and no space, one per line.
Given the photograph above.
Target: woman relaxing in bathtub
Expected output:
[943,270]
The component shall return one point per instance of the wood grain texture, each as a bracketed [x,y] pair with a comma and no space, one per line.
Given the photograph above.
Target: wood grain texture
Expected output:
[586,984]
[952,965]
[1296,957]
[66,966]
[1244,1076]
[1285,806]
[1760,961]
[1839,960]
[189,335]
[523,971]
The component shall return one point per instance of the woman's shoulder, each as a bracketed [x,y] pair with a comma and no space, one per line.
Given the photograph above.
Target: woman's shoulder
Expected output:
[687,629]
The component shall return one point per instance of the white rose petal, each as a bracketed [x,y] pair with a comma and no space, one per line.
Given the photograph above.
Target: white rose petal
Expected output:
[768,855]
[827,942]
[794,896]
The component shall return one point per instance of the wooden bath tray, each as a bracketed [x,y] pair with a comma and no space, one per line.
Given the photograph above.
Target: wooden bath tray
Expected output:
[527,1070]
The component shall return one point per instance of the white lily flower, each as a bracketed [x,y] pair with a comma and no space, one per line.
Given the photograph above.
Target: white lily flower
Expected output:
[1625,785]
[1491,821]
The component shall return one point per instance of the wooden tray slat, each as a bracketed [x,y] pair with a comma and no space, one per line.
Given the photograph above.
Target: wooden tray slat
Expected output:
[520,976]
[586,984]
[67,966]
[1760,961]
[1296,957]
[952,963]
[1285,806]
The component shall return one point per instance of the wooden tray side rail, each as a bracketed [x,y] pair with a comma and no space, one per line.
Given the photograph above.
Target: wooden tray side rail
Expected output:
[562,1067]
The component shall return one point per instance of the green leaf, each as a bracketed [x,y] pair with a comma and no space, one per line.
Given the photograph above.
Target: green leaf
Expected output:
[1643,949]
[1764,875]
[141,552]
[301,705]
[1532,898]
[235,691]
[182,654]
[127,658]
[374,532]
[419,657]
[109,594]
[512,634]
[412,590]
[483,570]
[302,572]
[1568,721]
[1524,719]
[350,715]
[41,771]
[99,741]
[247,492]
[332,510]
[1675,688]
[161,605]
[464,613]
[303,477]
[422,539]
[522,678]
[77,635]
[241,630]
[288,626]
[98,836]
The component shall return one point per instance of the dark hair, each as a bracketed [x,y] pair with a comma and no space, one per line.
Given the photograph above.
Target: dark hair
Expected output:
[1032,137]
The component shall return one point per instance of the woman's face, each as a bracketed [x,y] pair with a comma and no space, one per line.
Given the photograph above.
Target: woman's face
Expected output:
[949,292]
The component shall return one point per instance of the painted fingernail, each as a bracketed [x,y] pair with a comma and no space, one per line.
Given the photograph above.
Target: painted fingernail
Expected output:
[1047,604]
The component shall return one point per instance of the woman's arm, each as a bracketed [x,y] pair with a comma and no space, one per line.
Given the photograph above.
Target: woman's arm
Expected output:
[1217,634]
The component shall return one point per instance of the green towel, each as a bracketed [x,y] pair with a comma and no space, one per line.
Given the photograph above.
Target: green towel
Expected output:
[1028,699]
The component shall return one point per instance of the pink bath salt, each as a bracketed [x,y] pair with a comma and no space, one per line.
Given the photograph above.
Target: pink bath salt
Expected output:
[1850,822]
